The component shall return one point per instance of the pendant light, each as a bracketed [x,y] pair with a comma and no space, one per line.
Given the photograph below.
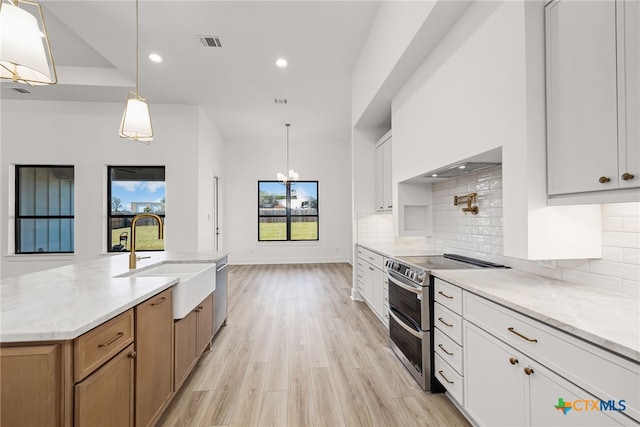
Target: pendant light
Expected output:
[136,120]
[25,53]
[293,175]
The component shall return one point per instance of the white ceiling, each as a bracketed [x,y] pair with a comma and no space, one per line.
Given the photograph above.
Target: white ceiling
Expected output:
[93,43]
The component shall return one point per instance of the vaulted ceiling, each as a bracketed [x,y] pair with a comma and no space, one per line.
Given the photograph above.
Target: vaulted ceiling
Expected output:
[93,43]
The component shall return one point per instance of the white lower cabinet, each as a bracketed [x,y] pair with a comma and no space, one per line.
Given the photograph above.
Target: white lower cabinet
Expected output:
[506,388]
[494,392]
[506,369]
[372,283]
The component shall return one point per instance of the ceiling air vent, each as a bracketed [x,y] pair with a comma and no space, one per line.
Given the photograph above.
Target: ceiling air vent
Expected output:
[20,90]
[209,41]
[282,101]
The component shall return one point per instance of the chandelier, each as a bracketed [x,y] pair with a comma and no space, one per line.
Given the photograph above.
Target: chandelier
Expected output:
[293,175]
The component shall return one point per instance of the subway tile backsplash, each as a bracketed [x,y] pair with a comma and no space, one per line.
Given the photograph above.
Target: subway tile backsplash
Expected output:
[480,236]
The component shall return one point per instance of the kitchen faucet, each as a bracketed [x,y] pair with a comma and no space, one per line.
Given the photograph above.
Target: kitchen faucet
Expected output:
[132,255]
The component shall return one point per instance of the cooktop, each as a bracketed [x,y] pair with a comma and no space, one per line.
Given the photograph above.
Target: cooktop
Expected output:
[447,262]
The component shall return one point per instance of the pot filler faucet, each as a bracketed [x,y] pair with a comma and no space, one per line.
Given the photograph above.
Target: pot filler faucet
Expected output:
[132,255]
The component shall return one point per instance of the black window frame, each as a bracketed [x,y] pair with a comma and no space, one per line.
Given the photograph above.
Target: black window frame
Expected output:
[19,217]
[288,215]
[110,247]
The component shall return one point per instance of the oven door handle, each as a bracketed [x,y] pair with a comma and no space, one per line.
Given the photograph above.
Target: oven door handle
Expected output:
[413,289]
[404,325]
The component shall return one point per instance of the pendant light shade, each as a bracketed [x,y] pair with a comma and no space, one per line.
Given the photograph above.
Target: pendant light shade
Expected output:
[136,119]
[25,54]
[293,175]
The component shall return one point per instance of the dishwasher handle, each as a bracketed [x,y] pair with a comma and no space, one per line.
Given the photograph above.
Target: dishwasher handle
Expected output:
[222,267]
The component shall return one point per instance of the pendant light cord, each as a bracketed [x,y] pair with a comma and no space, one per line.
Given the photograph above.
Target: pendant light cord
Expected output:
[287,125]
[137,50]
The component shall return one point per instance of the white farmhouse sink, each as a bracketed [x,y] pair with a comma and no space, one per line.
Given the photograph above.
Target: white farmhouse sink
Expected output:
[197,281]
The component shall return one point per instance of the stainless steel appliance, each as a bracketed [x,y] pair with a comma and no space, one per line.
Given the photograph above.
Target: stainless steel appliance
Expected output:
[220,295]
[411,310]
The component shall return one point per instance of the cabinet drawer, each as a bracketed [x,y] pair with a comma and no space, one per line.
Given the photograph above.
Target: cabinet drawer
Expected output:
[449,378]
[360,250]
[446,348]
[448,322]
[604,374]
[448,295]
[374,258]
[95,347]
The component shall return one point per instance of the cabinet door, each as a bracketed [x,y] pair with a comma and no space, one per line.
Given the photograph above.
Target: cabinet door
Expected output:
[154,360]
[105,398]
[629,76]
[387,200]
[185,351]
[205,324]
[495,385]
[368,283]
[378,290]
[379,178]
[548,391]
[582,119]
[31,386]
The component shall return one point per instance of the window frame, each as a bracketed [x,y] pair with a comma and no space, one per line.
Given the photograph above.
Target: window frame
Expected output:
[131,216]
[18,217]
[288,216]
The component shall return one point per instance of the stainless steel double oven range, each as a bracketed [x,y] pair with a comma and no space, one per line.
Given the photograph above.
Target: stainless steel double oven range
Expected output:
[411,310]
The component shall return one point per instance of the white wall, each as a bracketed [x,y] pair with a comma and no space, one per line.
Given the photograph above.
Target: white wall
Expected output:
[328,163]
[482,88]
[385,44]
[210,165]
[85,135]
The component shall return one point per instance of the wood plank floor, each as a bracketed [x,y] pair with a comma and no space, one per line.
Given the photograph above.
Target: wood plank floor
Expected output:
[297,351]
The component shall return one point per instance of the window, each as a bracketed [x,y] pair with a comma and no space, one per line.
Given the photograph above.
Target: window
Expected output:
[134,190]
[44,209]
[287,211]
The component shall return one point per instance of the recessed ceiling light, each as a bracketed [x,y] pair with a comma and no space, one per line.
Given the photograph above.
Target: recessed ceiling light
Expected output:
[462,167]
[281,62]
[155,57]
[434,175]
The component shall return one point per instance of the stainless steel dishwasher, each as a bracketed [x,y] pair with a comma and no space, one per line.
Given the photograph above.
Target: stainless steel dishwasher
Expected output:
[220,295]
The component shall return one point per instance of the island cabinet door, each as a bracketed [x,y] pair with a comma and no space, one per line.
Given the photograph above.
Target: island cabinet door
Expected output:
[105,398]
[32,381]
[205,324]
[154,359]
[185,350]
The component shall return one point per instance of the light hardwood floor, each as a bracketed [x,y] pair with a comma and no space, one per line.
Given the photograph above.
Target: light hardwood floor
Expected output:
[297,351]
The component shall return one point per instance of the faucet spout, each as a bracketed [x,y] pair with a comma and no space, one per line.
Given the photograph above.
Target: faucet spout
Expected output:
[132,254]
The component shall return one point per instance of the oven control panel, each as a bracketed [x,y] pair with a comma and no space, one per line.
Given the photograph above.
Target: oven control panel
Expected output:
[413,274]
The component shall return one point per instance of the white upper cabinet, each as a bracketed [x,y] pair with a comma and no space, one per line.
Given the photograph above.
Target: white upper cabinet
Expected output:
[592,50]
[383,174]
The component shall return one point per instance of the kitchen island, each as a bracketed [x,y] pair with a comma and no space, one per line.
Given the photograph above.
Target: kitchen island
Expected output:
[91,342]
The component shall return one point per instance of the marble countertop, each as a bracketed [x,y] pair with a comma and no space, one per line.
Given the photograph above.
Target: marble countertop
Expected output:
[609,320]
[391,249]
[65,302]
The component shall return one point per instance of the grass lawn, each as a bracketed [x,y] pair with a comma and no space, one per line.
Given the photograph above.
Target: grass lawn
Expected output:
[146,237]
[299,231]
